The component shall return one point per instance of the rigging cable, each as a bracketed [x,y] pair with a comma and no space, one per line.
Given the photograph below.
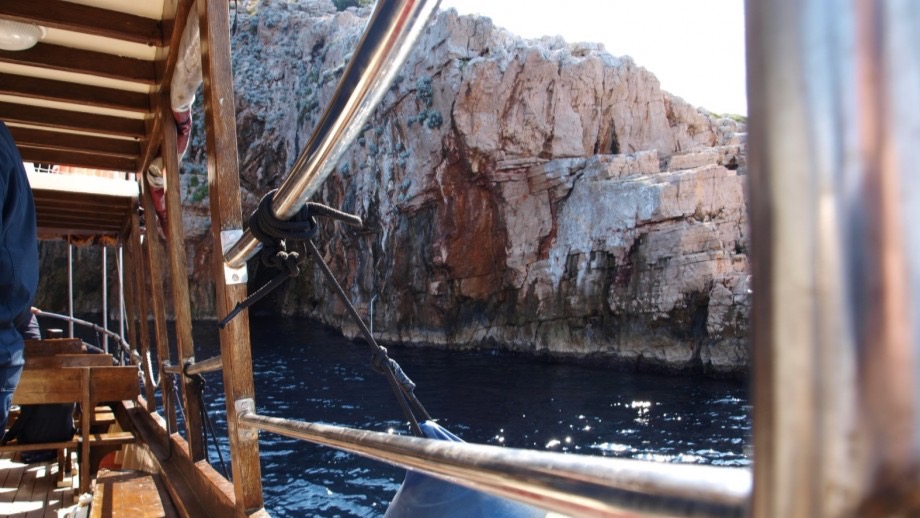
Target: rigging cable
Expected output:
[199,382]
[166,383]
[169,384]
[402,386]
[274,234]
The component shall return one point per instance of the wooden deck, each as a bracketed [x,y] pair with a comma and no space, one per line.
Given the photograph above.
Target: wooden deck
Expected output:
[30,490]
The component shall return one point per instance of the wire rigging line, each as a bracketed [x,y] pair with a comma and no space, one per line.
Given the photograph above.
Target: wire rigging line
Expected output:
[274,234]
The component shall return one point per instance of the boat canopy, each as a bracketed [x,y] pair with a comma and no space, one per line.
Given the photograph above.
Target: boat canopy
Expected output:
[89,209]
[83,95]
[87,95]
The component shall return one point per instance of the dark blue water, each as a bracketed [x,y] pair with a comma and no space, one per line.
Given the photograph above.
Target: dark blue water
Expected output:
[309,372]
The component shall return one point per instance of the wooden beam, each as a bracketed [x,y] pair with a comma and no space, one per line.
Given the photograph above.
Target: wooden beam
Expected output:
[117,215]
[55,233]
[85,19]
[196,488]
[81,217]
[175,233]
[224,186]
[93,161]
[140,292]
[67,119]
[69,227]
[65,198]
[90,202]
[128,289]
[52,204]
[75,142]
[158,300]
[69,59]
[78,223]
[63,91]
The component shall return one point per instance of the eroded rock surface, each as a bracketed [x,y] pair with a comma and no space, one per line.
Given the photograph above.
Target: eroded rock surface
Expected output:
[541,196]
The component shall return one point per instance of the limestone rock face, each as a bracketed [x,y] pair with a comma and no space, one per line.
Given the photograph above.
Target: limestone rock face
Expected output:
[540,196]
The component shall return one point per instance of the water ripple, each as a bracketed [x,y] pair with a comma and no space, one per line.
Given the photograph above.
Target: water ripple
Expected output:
[307,372]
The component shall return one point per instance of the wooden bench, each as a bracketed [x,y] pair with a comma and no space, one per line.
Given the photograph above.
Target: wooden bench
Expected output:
[68,360]
[101,416]
[130,494]
[87,386]
[52,346]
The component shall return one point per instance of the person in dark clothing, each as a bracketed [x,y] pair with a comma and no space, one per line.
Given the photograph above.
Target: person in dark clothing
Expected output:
[18,263]
[27,325]
[39,423]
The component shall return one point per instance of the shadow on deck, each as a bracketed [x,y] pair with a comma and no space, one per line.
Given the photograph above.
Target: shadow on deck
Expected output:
[31,490]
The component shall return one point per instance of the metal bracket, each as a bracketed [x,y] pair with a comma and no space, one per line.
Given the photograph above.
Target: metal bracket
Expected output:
[244,406]
[232,275]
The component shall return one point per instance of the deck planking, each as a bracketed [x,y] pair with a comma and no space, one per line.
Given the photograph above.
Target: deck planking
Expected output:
[31,491]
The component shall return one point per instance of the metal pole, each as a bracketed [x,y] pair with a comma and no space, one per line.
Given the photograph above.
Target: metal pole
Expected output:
[390,34]
[105,299]
[834,96]
[575,485]
[118,339]
[70,289]
[121,291]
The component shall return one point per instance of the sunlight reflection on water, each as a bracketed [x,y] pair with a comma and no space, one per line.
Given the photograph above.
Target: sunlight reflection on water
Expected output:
[307,372]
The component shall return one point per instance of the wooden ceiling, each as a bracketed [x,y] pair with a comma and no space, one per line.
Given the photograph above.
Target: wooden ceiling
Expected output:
[72,205]
[88,93]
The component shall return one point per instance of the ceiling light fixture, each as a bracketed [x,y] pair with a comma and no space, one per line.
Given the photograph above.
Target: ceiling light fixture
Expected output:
[19,36]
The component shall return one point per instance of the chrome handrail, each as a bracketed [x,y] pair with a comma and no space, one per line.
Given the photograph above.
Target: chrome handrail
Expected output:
[390,34]
[576,485]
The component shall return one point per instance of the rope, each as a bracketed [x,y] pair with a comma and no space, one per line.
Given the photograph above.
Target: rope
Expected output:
[147,362]
[382,362]
[198,382]
[177,401]
[269,230]
[273,233]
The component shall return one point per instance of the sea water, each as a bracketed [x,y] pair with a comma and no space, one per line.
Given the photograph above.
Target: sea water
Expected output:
[309,372]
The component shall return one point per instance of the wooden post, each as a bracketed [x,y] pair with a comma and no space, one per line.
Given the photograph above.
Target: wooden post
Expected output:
[70,288]
[179,266]
[140,293]
[127,277]
[224,190]
[157,298]
[105,299]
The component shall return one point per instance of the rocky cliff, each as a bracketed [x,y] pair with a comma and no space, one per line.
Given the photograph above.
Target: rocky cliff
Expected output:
[540,196]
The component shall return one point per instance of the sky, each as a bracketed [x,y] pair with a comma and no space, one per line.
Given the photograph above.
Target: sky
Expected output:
[694,47]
